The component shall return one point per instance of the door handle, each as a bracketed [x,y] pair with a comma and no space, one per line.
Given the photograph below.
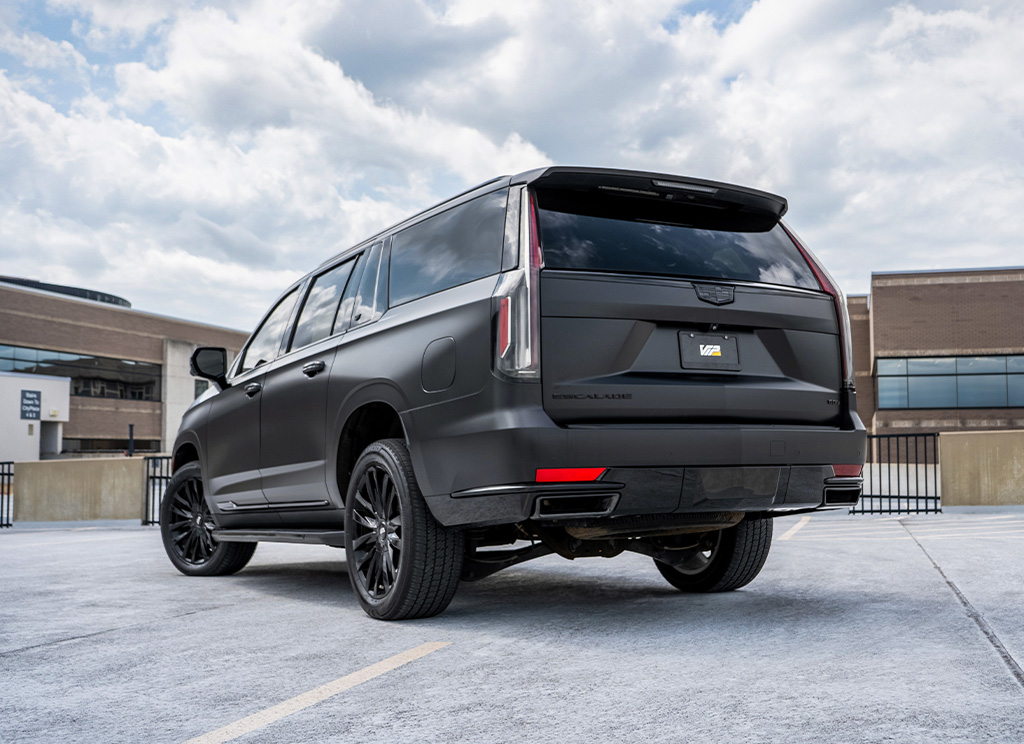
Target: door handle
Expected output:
[313,369]
[252,388]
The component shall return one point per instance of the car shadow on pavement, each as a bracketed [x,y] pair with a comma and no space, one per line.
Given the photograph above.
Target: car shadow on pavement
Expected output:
[610,604]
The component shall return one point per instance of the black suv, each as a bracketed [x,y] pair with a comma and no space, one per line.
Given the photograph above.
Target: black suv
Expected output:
[571,360]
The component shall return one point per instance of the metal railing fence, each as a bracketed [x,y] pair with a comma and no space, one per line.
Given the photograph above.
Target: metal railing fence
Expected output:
[158,473]
[901,475]
[6,494]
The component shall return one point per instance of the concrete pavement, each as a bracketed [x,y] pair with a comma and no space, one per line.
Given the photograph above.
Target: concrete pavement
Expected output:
[853,632]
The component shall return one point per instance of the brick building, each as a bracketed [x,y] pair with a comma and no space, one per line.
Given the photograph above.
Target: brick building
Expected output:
[940,351]
[121,366]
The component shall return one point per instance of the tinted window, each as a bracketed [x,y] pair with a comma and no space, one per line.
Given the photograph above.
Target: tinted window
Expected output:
[266,344]
[91,376]
[452,248]
[316,321]
[932,392]
[366,296]
[632,238]
[981,391]
[1015,390]
[980,365]
[892,392]
[892,366]
[938,366]
[348,300]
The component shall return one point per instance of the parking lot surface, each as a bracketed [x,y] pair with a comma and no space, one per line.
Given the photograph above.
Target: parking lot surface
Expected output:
[859,629]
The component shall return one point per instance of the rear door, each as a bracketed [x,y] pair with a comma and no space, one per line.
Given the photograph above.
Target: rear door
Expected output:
[661,304]
[293,427]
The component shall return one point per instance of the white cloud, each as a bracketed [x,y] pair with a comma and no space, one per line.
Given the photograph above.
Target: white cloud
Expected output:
[221,150]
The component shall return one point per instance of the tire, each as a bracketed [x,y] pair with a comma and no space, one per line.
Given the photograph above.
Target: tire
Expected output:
[402,563]
[186,524]
[735,557]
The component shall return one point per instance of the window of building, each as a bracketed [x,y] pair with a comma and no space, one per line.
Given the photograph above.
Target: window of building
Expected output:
[951,382]
[91,376]
[109,445]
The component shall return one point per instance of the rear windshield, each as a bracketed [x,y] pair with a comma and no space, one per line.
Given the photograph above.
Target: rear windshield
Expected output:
[689,243]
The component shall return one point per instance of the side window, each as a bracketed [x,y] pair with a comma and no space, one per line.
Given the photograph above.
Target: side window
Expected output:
[266,344]
[363,311]
[457,246]
[348,300]
[316,321]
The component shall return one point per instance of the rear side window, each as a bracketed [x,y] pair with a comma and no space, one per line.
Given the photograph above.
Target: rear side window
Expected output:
[457,246]
[316,321]
[698,243]
[266,344]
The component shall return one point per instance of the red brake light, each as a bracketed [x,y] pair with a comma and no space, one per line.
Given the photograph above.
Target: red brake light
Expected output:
[568,475]
[847,471]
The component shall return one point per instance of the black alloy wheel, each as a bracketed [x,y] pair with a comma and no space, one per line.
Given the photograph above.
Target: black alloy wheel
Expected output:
[186,526]
[725,560]
[377,532]
[705,554]
[402,563]
[191,523]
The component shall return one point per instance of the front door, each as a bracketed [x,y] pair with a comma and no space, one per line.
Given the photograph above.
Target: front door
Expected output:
[233,450]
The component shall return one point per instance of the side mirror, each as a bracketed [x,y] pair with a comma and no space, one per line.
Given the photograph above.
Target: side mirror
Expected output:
[210,362]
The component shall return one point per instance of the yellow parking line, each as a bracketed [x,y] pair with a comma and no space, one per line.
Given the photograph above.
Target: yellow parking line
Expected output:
[795,528]
[301,702]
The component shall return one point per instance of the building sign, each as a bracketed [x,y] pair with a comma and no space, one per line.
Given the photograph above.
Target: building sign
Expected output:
[31,404]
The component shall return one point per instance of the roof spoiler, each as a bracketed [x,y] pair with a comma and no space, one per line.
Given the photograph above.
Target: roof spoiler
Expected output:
[661,186]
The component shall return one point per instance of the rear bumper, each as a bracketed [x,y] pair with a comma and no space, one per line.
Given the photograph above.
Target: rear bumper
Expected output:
[480,470]
[651,491]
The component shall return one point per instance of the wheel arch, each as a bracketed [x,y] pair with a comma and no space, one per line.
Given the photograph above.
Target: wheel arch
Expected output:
[186,450]
[369,415]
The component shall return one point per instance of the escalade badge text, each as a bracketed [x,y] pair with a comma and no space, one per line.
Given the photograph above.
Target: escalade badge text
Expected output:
[592,396]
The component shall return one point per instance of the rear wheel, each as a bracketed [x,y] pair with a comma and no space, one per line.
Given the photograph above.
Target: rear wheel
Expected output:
[186,526]
[402,563]
[729,560]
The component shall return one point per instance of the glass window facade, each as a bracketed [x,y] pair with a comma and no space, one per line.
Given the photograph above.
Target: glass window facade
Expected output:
[951,382]
[91,376]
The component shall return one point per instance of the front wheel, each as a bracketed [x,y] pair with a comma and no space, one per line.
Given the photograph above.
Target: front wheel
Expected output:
[402,563]
[186,526]
[729,560]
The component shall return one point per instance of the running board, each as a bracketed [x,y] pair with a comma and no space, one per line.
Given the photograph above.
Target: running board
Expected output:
[334,538]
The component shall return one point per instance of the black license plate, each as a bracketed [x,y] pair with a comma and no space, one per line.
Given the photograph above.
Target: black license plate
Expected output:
[705,351]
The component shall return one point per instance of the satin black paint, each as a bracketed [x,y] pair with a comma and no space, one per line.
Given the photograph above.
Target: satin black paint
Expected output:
[757,432]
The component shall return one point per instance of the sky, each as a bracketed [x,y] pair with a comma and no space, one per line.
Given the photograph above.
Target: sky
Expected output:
[195,158]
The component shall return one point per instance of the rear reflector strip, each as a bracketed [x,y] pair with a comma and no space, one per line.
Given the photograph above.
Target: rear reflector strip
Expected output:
[847,471]
[568,475]
[504,326]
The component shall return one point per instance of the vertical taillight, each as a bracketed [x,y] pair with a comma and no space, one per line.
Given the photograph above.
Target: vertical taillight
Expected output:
[516,299]
[842,313]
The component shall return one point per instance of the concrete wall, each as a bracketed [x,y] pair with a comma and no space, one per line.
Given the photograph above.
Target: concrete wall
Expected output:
[20,438]
[179,387]
[71,490]
[982,467]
